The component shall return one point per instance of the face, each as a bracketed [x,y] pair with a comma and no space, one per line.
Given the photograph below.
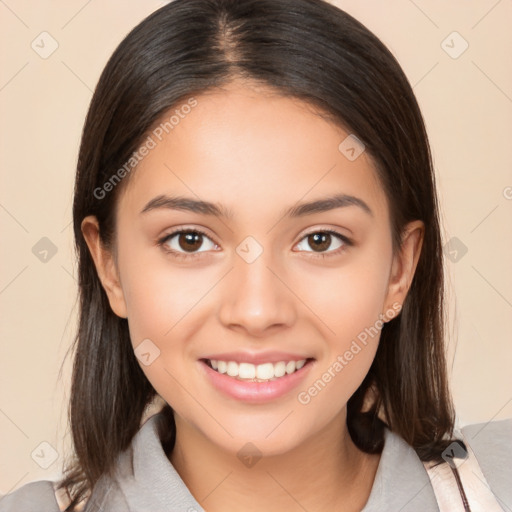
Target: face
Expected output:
[254,283]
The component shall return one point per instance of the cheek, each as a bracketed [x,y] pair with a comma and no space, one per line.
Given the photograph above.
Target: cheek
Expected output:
[350,298]
[349,301]
[351,344]
[158,293]
[161,301]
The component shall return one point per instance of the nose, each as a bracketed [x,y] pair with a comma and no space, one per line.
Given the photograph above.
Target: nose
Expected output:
[256,298]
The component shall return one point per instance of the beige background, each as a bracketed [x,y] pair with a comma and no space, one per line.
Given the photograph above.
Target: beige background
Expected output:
[467,104]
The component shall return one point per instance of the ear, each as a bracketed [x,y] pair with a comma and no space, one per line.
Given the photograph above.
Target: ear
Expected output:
[404,264]
[105,266]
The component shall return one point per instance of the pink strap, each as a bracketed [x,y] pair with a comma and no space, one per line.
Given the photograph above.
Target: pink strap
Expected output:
[478,495]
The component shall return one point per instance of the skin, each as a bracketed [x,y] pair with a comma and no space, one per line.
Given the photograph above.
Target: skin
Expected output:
[256,152]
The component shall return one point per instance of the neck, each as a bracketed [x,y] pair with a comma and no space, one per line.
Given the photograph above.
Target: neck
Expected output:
[327,471]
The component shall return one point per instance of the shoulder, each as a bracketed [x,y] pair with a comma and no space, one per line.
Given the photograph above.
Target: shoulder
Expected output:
[491,443]
[32,497]
[401,481]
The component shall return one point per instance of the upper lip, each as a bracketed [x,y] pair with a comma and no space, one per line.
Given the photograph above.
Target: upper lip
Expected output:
[257,358]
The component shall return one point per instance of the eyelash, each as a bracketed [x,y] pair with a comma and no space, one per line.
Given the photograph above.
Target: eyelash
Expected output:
[179,255]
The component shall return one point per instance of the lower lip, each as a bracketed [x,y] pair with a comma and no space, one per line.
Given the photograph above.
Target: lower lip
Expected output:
[256,392]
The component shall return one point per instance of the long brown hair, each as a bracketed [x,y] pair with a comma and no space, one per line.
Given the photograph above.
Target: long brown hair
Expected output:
[310,50]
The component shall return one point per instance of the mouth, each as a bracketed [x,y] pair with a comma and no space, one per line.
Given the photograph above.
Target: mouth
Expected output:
[248,372]
[255,383]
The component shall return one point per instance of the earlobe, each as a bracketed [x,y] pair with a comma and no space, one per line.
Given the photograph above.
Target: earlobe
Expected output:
[105,266]
[405,262]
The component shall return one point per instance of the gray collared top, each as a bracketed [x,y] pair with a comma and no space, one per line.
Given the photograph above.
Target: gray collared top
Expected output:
[401,482]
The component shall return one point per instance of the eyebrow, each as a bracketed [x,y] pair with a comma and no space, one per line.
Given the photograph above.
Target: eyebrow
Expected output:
[218,210]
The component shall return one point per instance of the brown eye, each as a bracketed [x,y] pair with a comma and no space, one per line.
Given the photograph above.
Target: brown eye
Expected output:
[190,241]
[321,241]
[186,242]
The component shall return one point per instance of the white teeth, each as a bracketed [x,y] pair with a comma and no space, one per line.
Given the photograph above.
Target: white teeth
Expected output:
[232,369]
[290,367]
[265,371]
[246,371]
[279,369]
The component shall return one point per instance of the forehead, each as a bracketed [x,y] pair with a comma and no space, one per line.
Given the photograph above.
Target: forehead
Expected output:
[250,148]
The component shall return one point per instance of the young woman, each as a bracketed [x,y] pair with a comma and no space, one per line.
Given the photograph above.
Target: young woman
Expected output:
[259,252]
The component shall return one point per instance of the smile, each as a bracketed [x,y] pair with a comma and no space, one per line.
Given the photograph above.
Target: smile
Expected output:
[255,383]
